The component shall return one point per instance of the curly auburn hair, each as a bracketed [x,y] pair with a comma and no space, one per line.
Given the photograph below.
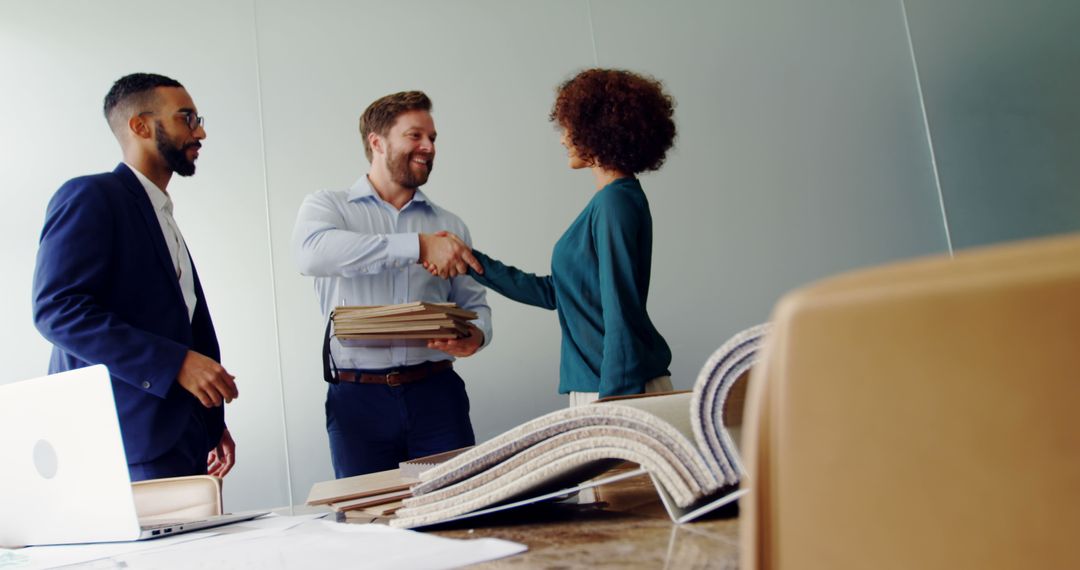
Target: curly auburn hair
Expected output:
[381,115]
[618,119]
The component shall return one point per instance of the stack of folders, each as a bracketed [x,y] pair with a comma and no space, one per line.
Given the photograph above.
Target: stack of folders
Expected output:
[354,325]
[374,497]
[363,498]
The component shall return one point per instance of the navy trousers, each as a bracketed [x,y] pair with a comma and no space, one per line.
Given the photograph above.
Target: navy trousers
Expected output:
[373,427]
[187,456]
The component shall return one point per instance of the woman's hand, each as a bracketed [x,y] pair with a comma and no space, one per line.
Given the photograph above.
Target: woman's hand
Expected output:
[446,255]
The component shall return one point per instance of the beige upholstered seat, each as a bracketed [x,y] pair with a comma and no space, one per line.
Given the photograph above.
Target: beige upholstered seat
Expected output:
[922,415]
[177,498]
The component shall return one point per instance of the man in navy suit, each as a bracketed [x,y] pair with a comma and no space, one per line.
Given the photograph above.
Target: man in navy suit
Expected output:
[115,285]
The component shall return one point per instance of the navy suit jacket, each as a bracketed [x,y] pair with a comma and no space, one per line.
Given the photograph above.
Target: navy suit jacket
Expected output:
[106,292]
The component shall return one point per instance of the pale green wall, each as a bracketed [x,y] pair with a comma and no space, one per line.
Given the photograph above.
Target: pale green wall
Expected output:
[1002,89]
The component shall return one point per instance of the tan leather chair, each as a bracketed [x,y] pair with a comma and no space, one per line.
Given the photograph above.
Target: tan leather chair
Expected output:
[177,498]
[922,415]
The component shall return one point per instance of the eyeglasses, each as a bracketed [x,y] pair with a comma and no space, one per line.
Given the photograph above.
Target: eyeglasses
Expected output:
[193,121]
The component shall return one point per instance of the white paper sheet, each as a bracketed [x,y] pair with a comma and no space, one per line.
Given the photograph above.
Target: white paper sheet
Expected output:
[324,544]
[274,521]
[52,556]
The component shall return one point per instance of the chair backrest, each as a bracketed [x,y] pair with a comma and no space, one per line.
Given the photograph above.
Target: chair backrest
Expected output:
[177,498]
[924,414]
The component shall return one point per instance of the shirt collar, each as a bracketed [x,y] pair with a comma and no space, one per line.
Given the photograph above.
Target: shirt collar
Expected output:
[158,198]
[363,190]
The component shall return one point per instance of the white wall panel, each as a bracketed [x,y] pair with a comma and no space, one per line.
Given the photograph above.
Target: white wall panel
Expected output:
[56,71]
[800,153]
[490,68]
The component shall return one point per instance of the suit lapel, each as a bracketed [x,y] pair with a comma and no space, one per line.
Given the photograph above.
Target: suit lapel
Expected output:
[153,226]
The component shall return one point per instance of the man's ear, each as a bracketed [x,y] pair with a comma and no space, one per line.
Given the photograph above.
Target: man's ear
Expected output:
[376,143]
[139,127]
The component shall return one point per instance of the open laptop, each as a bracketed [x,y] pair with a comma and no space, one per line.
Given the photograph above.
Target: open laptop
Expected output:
[64,478]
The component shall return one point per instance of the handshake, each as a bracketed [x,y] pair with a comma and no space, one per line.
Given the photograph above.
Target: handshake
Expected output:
[446,255]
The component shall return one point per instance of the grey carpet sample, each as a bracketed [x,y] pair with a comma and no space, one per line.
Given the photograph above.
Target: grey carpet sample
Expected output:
[678,438]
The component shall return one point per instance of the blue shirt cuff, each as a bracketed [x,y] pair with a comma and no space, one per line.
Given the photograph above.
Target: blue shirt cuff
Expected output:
[403,249]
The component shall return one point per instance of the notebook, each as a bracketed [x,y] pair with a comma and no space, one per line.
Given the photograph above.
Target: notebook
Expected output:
[65,478]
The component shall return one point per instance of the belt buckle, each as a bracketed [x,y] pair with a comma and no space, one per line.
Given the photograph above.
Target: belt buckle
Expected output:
[391,374]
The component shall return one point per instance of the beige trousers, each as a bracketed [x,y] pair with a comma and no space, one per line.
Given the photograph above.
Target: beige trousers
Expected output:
[658,384]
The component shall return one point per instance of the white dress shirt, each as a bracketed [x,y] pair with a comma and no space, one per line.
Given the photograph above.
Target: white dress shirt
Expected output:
[163,207]
[363,251]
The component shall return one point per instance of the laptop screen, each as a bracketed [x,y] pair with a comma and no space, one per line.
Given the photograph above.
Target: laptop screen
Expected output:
[65,476]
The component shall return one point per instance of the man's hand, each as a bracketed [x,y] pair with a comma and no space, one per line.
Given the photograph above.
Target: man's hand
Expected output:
[222,458]
[446,255]
[207,380]
[461,347]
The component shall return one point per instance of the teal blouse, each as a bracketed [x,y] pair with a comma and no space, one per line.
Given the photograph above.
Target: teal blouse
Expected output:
[599,284]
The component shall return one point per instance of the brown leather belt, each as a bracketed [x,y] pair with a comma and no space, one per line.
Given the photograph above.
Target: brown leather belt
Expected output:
[396,376]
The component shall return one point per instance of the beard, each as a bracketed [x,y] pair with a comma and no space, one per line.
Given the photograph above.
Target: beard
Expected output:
[175,155]
[403,171]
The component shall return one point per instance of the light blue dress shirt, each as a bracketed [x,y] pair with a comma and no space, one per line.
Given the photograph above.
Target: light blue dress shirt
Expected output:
[363,251]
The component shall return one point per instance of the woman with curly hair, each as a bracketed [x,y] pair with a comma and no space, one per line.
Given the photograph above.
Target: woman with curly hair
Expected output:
[617,124]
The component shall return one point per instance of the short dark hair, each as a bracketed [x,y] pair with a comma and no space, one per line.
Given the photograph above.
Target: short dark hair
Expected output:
[134,90]
[379,117]
[619,119]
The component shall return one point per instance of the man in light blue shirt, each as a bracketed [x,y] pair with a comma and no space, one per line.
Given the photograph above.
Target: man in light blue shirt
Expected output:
[391,400]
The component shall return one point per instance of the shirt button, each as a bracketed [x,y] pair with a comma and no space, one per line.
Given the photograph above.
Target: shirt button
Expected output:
[146,384]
